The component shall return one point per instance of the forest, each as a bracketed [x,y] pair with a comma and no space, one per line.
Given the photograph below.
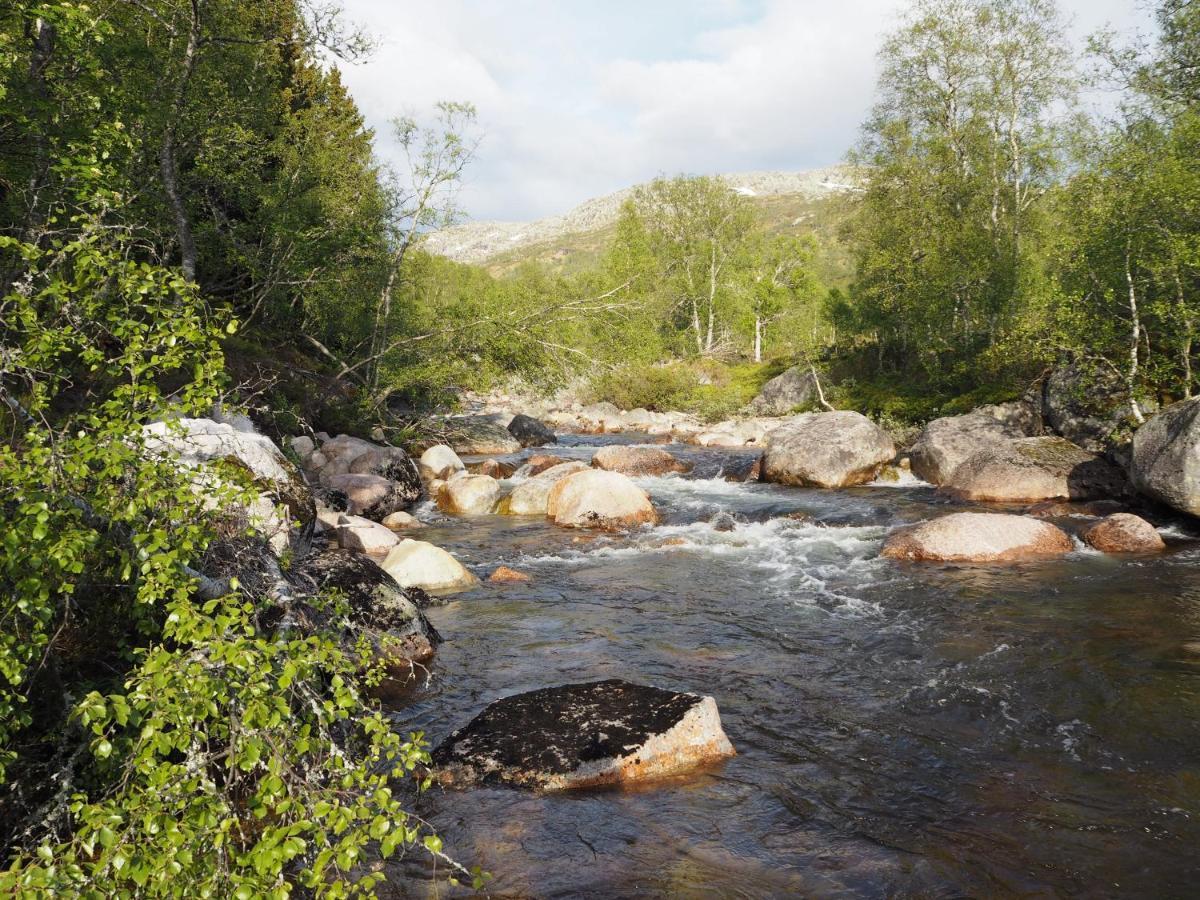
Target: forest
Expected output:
[193,217]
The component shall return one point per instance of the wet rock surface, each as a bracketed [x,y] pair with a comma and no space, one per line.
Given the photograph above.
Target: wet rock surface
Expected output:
[584,735]
[1124,533]
[977,537]
[637,461]
[1166,457]
[830,450]
[1033,469]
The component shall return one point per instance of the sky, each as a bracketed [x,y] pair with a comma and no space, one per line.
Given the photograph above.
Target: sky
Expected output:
[578,99]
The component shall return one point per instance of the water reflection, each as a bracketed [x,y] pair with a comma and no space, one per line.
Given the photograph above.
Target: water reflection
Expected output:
[903,730]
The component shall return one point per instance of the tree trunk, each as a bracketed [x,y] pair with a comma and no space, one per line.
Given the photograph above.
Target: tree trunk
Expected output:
[758,335]
[1135,337]
[41,35]
[167,164]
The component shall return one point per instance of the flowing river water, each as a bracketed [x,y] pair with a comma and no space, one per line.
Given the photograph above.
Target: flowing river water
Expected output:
[903,730]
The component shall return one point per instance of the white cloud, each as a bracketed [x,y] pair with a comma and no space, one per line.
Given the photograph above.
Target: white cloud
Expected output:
[578,100]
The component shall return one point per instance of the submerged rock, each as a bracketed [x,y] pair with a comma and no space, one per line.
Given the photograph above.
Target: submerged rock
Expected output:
[1124,533]
[830,450]
[505,575]
[599,499]
[530,432]
[1166,457]
[1032,469]
[584,735]
[421,564]
[531,497]
[946,443]
[637,461]
[469,495]
[977,537]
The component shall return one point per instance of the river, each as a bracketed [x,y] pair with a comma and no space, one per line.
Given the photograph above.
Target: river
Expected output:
[903,730]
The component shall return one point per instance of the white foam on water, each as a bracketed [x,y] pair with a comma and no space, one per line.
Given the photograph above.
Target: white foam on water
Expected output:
[903,479]
[801,561]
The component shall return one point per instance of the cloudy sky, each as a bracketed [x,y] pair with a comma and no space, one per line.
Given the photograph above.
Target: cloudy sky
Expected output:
[578,98]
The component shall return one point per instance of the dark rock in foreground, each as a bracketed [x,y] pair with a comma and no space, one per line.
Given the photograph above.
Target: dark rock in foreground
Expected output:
[530,432]
[584,735]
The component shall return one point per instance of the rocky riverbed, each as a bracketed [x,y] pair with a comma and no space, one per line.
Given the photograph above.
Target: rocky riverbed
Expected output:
[840,679]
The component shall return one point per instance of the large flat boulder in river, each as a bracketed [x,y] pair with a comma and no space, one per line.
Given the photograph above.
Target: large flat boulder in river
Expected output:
[584,735]
[1166,457]
[977,537]
[830,450]
[480,436]
[530,432]
[598,499]
[421,564]
[1032,469]
[637,461]
[946,443]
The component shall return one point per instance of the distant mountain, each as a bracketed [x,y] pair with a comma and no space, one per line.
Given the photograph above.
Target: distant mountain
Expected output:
[788,201]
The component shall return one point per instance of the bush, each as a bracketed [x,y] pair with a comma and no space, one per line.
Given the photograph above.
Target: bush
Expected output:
[709,389]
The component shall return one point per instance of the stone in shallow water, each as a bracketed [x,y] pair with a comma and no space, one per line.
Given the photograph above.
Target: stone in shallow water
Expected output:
[584,735]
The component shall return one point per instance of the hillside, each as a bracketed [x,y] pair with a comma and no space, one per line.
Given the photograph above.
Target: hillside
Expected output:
[811,202]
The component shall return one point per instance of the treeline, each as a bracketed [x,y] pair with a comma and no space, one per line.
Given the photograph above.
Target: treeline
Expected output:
[1001,230]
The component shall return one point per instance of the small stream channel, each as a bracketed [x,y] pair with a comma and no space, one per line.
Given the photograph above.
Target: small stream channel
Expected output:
[903,730]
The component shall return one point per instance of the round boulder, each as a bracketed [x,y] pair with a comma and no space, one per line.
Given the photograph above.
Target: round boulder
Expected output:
[530,497]
[439,461]
[946,443]
[537,464]
[599,499]
[1124,533]
[978,537]
[584,735]
[637,461]
[421,564]
[364,536]
[829,450]
[469,495]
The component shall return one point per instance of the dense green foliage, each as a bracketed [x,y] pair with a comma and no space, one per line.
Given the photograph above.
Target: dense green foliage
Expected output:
[998,234]
[166,172]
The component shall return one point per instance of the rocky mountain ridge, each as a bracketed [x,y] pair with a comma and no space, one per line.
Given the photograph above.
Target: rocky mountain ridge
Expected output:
[478,242]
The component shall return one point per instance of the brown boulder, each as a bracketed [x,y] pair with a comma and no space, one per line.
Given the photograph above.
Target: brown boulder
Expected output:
[598,499]
[1124,533]
[505,575]
[637,461]
[977,537]
[1031,469]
